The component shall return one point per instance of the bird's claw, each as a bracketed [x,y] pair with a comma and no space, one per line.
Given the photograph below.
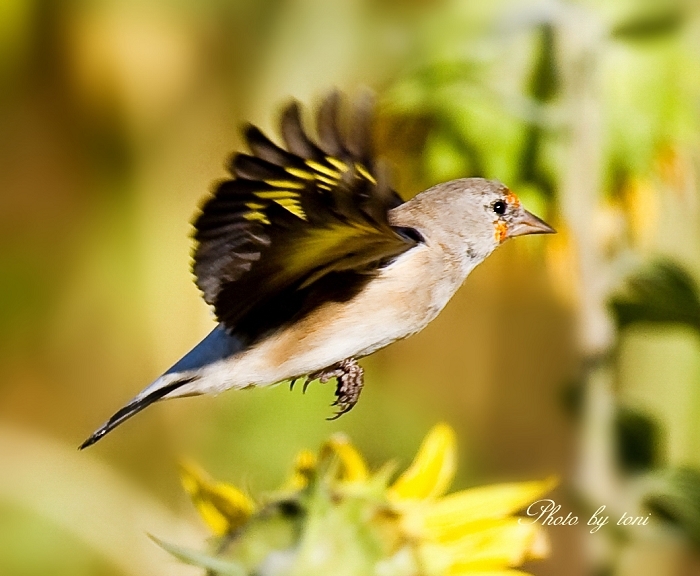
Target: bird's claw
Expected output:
[307,381]
[350,380]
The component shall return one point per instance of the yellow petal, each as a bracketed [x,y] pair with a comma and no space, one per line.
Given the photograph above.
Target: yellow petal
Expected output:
[451,516]
[504,544]
[433,468]
[304,467]
[223,507]
[353,467]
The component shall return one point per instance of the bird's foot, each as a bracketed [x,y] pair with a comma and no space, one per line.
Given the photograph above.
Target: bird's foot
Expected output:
[350,380]
[348,388]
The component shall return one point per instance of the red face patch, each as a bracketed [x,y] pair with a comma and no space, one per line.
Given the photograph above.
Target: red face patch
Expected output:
[501,231]
[501,228]
[512,199]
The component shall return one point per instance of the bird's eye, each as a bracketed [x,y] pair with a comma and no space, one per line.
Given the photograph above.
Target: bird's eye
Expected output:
[499,207]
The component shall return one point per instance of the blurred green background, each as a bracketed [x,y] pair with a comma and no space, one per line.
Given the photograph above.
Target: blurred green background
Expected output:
[575,354]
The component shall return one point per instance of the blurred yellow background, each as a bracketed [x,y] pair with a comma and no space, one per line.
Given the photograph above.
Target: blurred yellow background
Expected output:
[115,118]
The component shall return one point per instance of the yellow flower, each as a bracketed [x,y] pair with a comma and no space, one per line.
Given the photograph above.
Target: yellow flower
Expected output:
[222,506]
[353,467]
[432,470]
[304,468]
[409,527]
[468,532]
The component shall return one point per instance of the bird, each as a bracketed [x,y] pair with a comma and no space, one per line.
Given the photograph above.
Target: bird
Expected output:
[311,260]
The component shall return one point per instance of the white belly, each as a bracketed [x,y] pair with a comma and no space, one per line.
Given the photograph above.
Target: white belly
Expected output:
[399,302]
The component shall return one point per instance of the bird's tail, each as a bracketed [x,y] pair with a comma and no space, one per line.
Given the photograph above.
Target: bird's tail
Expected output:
[216,346]
[134,407]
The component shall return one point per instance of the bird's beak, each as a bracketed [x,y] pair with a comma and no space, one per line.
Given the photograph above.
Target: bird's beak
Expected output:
[528,223]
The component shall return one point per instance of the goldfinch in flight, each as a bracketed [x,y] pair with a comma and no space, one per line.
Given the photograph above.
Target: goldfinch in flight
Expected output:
[311,260]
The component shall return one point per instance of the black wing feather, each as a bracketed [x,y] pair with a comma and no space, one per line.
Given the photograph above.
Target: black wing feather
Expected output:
[252,168]
[294,136]
[360,140]
[295,227]
[327,122]
[262,147]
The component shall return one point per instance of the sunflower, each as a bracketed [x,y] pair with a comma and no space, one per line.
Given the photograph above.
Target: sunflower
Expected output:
[335,516]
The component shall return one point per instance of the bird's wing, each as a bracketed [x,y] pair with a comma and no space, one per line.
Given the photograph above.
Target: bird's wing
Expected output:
[292,219]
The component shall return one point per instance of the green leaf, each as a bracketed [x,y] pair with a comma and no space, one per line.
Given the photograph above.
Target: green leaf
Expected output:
[637,440]
[650,26]
[195,558]
[545,84]
[663,293]
[677,500]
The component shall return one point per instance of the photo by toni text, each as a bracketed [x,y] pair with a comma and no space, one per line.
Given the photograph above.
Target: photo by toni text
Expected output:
[547,513]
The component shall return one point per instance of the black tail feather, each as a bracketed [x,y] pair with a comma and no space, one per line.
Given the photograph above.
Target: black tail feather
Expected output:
[133,407]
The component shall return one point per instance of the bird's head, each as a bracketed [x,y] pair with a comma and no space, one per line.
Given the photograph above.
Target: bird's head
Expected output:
[474,216]
[504,211]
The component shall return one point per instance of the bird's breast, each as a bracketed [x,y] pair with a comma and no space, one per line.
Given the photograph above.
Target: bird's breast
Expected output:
[401,300]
